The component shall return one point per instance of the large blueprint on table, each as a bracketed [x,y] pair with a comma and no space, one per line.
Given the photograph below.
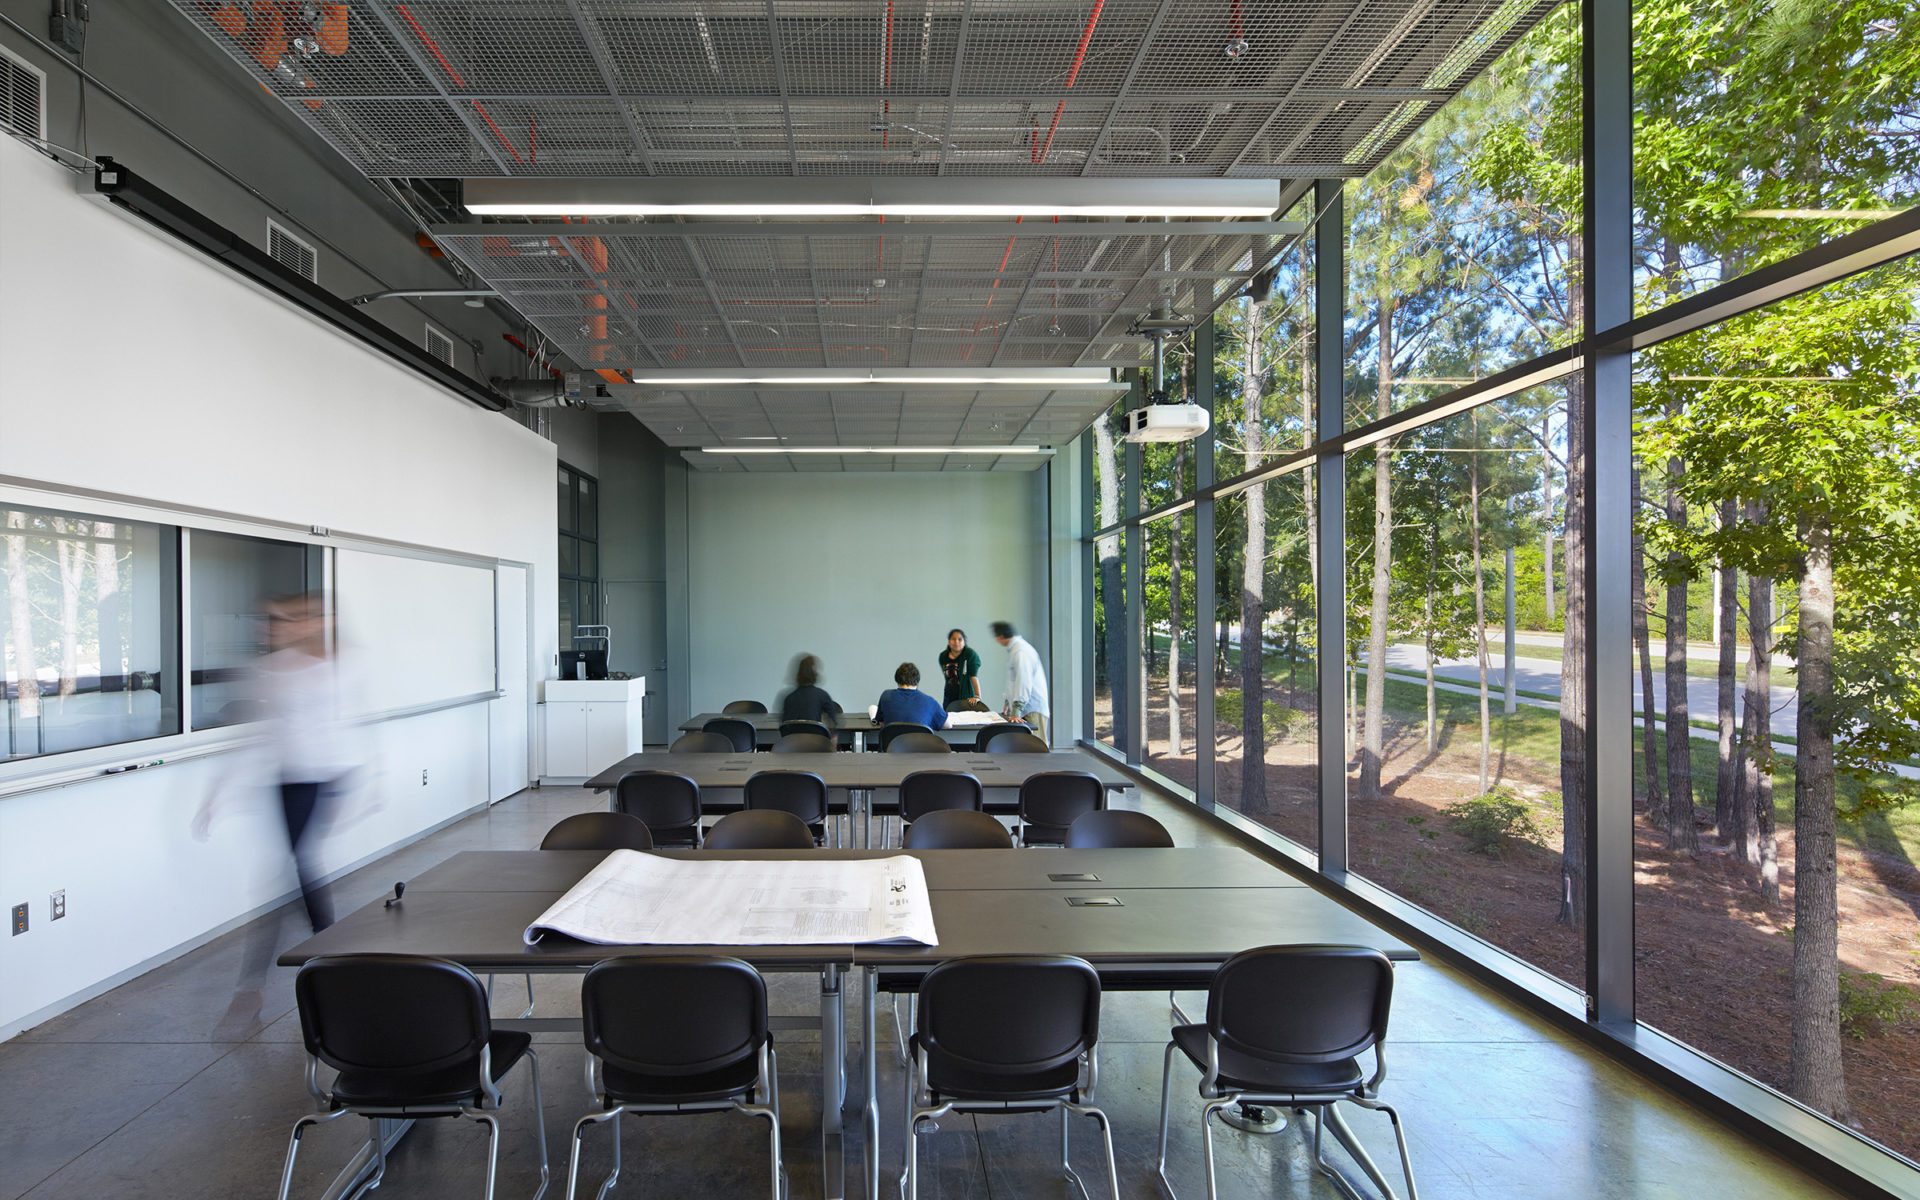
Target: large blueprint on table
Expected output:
[633,898]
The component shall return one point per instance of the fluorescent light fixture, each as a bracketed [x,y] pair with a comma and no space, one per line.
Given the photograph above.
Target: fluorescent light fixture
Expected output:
[873,197]
[888,450]
[1043,378]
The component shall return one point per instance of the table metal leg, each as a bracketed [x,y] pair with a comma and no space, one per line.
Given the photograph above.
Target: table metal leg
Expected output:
[870,1070]
[365,1161]
[833,1084]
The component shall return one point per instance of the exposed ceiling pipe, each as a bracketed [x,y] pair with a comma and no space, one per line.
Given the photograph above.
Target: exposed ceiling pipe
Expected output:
[476,297]
[1073,76]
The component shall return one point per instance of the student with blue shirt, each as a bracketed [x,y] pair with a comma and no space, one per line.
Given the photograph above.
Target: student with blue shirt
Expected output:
[907,702]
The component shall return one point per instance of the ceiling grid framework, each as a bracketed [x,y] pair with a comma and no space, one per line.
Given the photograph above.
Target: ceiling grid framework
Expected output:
[759,96]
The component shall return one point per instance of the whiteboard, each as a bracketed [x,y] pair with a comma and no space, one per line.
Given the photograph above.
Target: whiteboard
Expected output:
[413,631]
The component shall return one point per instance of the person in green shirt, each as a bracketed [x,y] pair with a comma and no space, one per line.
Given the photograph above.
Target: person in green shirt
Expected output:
[961,666]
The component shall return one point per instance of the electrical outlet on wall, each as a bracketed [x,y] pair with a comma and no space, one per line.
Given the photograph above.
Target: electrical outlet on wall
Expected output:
[423,777]
[57,905]
[19,919]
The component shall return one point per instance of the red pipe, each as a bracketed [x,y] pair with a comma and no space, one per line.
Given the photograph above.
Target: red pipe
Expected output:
[433,48]
[1073,76]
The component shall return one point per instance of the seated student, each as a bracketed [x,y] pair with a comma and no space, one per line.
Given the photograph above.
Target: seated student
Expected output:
[807,700]
[908,703]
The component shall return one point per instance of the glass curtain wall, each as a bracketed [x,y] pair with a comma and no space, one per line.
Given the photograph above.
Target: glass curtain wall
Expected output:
[1649,727]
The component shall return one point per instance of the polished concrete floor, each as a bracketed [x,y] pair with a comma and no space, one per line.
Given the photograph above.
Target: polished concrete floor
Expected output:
[184,1082]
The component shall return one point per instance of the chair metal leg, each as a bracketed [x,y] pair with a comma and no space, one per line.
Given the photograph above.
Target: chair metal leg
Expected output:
[1166,1101]
[1345,1134]
[1400,1146]
[293,1144]
[539,1113]
[493,1148]
[1066,1163]
[1106,1142]
[1206,1142]
[573,1158]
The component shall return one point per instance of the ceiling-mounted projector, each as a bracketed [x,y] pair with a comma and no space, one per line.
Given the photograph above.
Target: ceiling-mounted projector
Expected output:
[1165,423]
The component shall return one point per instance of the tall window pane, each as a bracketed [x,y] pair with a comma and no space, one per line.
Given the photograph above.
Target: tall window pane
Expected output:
[1778,752]
[1109,639]
[1263,367]
[1462,245]
[1460,798]
[1263,645]
[233,577]
[90,629]
[1171,649]
[1762,129]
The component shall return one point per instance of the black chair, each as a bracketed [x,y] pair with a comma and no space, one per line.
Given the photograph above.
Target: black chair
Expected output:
[681,1034]
[599,831]
[668,804]
[1005,1035]
[918,741]
[410,1038]
[788,728]
[926,792]
[740,734]
[760,829]
[1286,1026]
[803,743]
[701,742]
[801,793]
[744,707]
[893,729]
[1117,829]
[1016,740]
[989,732]
[1052,801]
[958,829]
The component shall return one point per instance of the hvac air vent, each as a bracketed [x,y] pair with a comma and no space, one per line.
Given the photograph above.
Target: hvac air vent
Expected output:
[439,345]
[292,253]
[23,97]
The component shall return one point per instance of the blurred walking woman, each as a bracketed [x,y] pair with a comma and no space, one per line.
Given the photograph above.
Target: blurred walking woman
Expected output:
[961,666]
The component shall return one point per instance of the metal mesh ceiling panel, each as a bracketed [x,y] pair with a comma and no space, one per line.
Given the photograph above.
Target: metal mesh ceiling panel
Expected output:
[1265,88]
[902,295]
[957,417]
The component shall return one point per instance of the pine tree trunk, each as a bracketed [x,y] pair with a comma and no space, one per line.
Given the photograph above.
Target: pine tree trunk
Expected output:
[1649,736]
[1756,788]
[1573,673]
[1479,609]
[1681,834]
[1253,570]
[1546,547]
[1818,1078]
[1373,720]
[1726,781]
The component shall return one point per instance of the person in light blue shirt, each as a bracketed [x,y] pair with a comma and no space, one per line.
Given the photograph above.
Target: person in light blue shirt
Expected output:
[906,702]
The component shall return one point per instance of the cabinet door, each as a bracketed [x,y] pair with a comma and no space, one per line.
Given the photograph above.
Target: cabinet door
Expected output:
[566,739]
[606,740]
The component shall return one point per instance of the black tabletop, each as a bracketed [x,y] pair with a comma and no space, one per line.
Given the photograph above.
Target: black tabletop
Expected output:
[1040,869]
[1166,929]
[860,770]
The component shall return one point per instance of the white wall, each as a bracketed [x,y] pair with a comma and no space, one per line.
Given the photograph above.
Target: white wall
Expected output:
[865,570]
[137,368]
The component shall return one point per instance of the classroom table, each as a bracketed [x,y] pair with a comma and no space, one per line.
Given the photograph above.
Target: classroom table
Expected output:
[854,727]
[1170,917]
[858,776]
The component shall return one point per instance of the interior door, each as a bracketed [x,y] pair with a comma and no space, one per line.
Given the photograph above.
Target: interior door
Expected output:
[510,716]
[637,610]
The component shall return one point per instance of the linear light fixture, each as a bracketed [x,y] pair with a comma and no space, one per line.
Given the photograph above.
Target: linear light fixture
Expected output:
[896,379]
[873,197]
[889,450]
